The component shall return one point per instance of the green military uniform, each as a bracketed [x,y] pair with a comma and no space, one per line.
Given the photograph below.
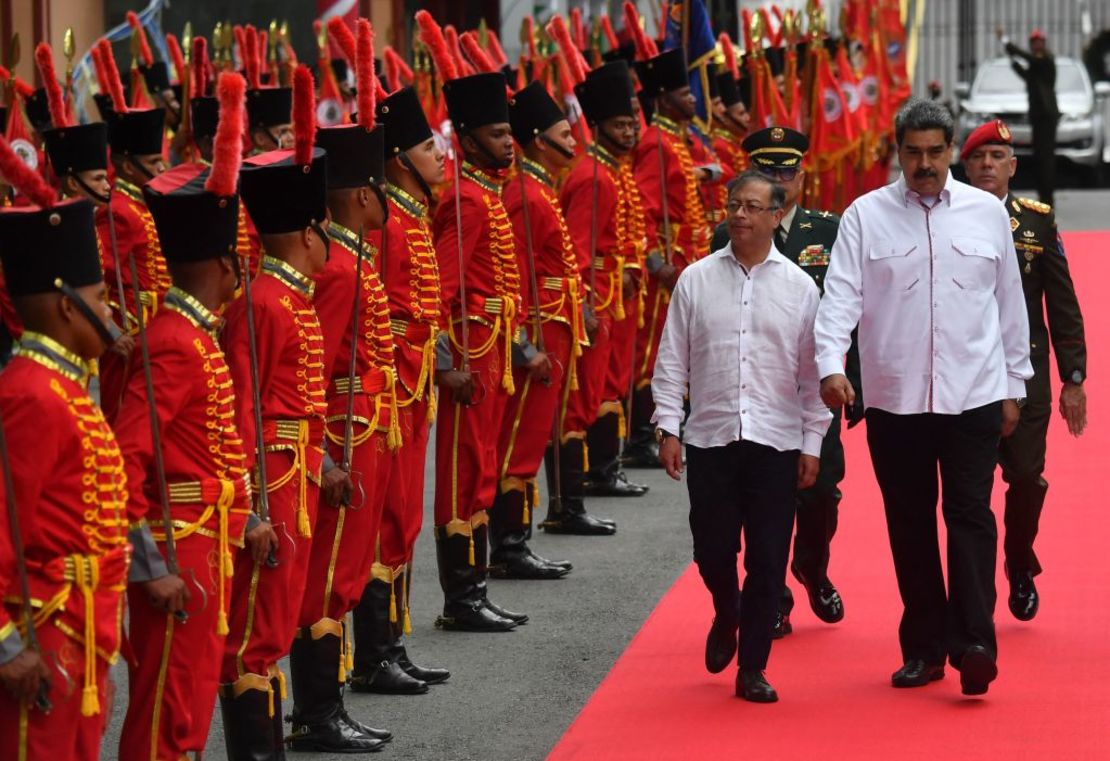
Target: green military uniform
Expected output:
[1048,289]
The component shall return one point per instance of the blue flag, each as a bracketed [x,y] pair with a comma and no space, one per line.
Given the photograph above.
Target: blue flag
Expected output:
[700,46]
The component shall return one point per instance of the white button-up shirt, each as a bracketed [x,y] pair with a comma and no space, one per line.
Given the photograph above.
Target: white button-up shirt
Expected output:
[937,295]
[742,343]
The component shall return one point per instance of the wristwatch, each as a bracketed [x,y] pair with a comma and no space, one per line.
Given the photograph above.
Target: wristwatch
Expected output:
[1076,377]
[661,435]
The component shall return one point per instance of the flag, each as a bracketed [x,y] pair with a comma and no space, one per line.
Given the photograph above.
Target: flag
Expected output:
[688,27]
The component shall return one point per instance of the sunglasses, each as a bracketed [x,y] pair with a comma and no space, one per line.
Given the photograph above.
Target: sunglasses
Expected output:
[778,174]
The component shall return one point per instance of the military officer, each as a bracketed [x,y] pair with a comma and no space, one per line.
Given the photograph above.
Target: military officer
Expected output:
[989,158]
[806,237]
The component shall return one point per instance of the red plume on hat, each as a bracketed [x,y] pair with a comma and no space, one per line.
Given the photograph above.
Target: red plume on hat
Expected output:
[577,27]
[24,179]
[250,58]
[178,59]
[304,115]
[340,33]
[576,67]
[452,36]
[645,46]
[474,52]
[200,67]
[730,55]
[530,36]
[496,52]
[147,58]
[432,35]
[395,68]
[114,85]
[610,35]
[227,146]
[364,74]
[44,57]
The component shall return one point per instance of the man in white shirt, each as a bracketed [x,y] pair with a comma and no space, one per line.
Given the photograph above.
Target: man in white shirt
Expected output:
[926,267]
[739,336]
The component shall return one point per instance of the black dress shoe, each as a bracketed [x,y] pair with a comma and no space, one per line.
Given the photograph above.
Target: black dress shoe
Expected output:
[332,736]
[916,673]
[473,618]
[720,645]
[977,670]
[378,734]
[497,610]
[516,564]
[752,686]
[388,678]
[782,626]
[1024,600]
[823,597]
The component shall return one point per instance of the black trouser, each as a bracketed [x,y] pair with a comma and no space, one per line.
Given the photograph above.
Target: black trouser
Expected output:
[906,451]
[1022,457]
[746,486]
[818,508]
[1044,156]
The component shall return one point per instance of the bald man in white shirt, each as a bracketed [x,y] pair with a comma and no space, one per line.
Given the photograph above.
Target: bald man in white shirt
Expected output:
[739,337]
[926,267]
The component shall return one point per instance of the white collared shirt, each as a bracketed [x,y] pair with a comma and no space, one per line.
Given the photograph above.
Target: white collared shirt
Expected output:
[742,343]
[937,295]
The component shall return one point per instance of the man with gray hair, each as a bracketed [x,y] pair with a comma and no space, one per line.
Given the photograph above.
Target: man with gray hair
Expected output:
[739,336]
[926,267]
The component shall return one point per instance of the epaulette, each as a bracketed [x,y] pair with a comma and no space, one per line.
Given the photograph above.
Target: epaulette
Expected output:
[1037,206]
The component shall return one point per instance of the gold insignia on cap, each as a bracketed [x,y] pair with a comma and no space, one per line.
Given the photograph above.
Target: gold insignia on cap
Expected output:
[777,134]
[1003,130]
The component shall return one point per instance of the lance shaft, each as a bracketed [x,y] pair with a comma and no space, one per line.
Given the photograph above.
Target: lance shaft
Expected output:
[256,400]
[666,209]
[593,226]
[463,310]
[349,422]
[537,317]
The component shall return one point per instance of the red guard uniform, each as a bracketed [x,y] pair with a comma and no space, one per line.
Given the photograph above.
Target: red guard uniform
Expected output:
[732,156]
[74,528]
[176,665]
[136,234]
[526,428]
[265,601]
[343,547]
[466,450]
[689,233]
[411,276]
[605,370]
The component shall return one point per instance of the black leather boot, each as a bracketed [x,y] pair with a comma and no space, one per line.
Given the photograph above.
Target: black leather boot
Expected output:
[510,556]
[606,478]
[397,652]
[278,718]
[642,450]
[464,607]
[568,515]
[249,729]
[481,554]
[375,671]
[320,722]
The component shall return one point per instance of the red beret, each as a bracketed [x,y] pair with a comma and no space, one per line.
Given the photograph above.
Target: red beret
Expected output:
[994,132]
[1037,34]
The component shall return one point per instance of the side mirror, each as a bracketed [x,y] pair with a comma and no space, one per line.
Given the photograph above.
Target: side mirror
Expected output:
[962,90]
[1102,89]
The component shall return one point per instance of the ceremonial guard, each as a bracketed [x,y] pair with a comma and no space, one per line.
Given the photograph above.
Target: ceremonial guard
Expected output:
[281,418]
[410,277]
[731,123]
[604,214]
[269,117]
[677,225]
[989,159]
[197,476]
[125,224]
[63,542]
[480,296]
[553,320]
[361,428]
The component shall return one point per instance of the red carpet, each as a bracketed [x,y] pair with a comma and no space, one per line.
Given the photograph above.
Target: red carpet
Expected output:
[1051,700]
